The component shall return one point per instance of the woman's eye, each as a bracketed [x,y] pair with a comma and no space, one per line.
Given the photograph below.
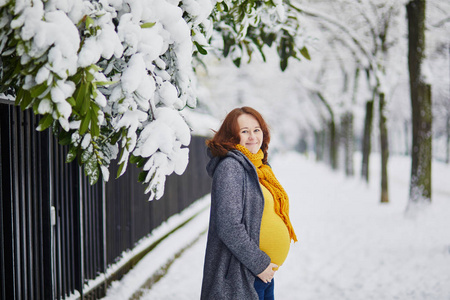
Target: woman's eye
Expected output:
[244,131]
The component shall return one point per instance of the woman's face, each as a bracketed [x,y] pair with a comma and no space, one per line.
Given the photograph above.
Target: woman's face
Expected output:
[250,133]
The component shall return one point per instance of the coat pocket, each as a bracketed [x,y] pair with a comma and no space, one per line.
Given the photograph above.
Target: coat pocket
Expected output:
[233,267]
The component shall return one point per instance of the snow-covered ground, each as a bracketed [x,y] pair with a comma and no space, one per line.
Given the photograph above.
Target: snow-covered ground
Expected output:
[350,246]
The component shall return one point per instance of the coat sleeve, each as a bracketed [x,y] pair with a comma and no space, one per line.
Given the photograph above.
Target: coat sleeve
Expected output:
[227,209]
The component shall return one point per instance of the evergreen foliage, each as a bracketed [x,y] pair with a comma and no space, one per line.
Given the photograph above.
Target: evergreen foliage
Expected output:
[112,76]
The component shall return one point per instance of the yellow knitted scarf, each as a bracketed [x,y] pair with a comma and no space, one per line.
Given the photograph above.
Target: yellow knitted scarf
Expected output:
[268,179]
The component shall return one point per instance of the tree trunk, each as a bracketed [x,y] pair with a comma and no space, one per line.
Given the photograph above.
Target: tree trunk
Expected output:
[366,143]
[331,130]
[334,144]
[319,144]
[348,141]
[407,145]
[421,153]
[447,156]
[384,150]
[349,134]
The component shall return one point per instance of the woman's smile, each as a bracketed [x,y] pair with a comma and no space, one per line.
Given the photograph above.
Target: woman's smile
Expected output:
[250,133]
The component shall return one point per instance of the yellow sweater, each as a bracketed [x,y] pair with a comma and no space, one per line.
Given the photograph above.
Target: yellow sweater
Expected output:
[274,237]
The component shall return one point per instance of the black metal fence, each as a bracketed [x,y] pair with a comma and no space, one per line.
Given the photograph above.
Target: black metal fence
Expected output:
[57,232]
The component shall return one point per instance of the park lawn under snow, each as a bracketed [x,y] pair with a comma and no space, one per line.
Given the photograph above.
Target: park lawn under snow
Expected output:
[350,246]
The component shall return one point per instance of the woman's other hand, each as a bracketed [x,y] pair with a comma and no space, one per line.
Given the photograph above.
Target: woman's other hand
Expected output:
[267,275]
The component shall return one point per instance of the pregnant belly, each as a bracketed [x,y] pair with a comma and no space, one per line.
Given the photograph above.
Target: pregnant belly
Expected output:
[274,239]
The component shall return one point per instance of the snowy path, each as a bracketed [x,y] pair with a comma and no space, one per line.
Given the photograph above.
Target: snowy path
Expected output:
[350,246]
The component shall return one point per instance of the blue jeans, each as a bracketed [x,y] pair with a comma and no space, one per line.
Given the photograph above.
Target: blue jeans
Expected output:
[264,290]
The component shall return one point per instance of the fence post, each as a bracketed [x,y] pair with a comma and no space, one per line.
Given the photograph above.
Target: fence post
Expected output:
[6,230]
[105,250]
[52,290]
[81,232]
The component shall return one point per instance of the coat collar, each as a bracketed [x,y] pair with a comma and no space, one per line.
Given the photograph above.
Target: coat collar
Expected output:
[235,154]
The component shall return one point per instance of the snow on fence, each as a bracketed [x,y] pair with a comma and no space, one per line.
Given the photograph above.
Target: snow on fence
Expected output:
[57,232]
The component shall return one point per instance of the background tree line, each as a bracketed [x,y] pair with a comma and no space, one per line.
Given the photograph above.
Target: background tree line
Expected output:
[356,87]
[115,81]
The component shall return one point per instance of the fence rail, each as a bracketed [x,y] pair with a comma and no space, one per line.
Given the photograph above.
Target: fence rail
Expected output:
[57,232]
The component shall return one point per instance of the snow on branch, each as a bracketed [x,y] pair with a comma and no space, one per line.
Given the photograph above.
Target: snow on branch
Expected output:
[365,55]
[110,77]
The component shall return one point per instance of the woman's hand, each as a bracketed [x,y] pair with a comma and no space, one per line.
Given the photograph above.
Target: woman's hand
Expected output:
[267,275]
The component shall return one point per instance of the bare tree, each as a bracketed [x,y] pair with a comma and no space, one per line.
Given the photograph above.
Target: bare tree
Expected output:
[379,18]
[333,141]
[421,152]
[366,142]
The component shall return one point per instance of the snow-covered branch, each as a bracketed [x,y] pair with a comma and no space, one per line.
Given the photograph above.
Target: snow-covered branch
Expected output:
[111,76]
[107,71]
[365,56]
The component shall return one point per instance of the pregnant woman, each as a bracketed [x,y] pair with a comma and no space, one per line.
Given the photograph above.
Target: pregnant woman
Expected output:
[249,231]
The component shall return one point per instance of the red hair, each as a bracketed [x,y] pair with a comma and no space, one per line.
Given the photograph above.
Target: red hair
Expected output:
[228,136]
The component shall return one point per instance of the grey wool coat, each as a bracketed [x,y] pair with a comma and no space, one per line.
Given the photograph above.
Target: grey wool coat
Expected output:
[233,258]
